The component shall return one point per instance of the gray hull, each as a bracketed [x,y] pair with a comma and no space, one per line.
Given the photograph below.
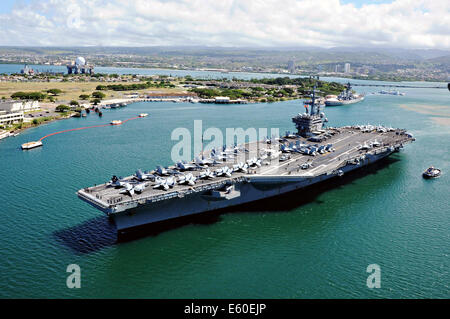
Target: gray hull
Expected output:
[255,188]
[343,102]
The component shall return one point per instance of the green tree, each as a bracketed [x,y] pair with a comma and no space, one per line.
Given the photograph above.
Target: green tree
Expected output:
[54,92]
[74,103]
[37,96]
[98,95]
[84,96]
[62,108]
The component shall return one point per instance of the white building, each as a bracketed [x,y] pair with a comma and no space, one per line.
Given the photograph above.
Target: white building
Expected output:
[7,118]
[222,99]
[347,68]
[17,106]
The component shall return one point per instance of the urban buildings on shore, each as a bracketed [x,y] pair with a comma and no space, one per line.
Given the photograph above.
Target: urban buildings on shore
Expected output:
[347,68]
[27,70]
[12,112]
[291,66]
[8,118]
[79,66]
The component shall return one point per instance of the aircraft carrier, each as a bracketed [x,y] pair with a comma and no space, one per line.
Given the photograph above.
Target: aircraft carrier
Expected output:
[236,175]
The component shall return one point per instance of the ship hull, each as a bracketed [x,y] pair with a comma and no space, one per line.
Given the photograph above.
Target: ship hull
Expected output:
[257,188]
[343,102]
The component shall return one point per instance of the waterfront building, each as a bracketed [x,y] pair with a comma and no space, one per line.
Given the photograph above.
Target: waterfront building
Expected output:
[347,68]
[133,95]
[7,118]
[17,106]
[162,95]
[222,99]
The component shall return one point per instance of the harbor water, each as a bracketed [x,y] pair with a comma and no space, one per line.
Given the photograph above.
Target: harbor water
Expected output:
[315,244]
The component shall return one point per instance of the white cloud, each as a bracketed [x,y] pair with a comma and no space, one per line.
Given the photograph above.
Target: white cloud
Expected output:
[327,23]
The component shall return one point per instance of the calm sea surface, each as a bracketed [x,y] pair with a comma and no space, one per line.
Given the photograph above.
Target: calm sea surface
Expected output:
[316,244]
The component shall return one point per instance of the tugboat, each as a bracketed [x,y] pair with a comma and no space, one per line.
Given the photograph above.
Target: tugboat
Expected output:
[432,172]
[116,122]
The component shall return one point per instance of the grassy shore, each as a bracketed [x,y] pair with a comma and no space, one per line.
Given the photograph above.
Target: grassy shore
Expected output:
[71,90]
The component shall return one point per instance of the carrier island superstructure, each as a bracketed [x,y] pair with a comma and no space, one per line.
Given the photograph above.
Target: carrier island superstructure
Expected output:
[241,174]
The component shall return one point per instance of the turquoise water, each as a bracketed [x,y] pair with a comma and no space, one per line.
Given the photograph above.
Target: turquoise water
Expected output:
[316,244]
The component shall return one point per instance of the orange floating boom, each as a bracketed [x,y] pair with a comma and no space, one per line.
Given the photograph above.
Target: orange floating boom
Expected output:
[83,128]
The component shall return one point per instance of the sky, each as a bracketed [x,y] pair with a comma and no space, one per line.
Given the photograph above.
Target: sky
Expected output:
[418,24]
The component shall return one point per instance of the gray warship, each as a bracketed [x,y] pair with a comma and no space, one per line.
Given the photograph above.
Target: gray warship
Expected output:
[230,176]
[346,97]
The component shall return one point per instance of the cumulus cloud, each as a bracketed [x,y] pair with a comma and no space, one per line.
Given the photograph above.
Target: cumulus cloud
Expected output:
[235,23]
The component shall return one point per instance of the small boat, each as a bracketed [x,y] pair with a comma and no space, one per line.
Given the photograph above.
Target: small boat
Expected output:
[392,93]
[100,114]
[116,122]
[30,145]
[143,115]
[84,115]
[432,172]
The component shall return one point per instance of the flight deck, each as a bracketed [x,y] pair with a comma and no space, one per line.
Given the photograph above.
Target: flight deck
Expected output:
[283,159]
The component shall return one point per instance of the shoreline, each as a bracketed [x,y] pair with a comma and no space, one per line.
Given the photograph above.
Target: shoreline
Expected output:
[122,101]
[239,72]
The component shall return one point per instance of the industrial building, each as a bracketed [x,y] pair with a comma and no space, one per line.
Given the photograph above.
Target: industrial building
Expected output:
[27,70]
[80,67]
